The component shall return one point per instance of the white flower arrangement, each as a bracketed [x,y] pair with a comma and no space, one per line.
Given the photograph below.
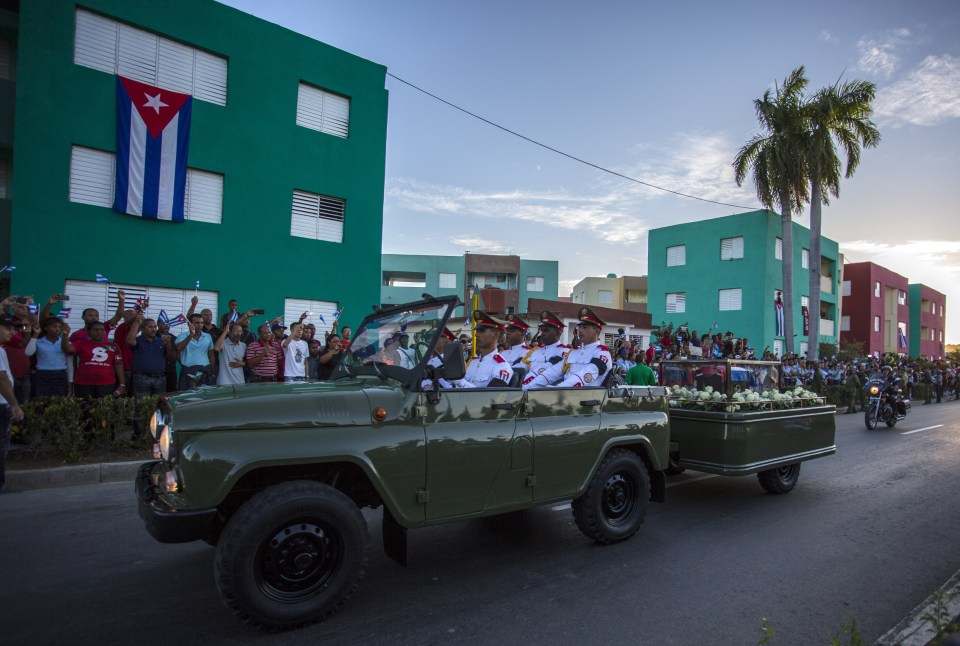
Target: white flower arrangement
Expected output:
[710,399]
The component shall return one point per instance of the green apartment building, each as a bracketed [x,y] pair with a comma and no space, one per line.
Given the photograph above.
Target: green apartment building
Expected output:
[728,271]
[283,197]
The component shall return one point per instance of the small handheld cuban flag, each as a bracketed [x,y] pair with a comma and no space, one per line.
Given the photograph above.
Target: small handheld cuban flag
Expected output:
[142,303]
[64,313]
[234,316]
[33,309]
[178,320]
[103,279]
[162,317]
[336,315]
[322,320]
[7,268]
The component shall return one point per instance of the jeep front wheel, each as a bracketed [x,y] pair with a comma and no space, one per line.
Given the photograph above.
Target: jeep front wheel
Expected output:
[291,555]
[615,503]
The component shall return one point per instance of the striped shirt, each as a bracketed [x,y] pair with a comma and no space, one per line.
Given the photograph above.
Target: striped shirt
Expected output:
[268,367]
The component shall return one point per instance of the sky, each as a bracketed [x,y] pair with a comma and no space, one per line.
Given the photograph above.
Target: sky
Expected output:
[661,92]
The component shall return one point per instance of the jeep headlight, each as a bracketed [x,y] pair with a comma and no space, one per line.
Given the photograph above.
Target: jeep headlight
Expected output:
[874,390]
[157,422]
[162,448]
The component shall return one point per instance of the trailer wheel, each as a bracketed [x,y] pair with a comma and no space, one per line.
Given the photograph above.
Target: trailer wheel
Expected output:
[780,480]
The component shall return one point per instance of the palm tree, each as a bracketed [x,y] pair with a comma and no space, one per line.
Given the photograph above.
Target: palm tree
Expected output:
[836,115]
[775,159]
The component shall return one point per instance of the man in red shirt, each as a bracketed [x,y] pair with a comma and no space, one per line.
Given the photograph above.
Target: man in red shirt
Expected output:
[263,356]
[99,365]
[90,315]
[16,352]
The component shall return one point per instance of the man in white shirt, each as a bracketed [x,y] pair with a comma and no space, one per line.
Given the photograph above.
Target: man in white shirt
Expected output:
[231,350]
[488,369]
[295,353]
[587,365]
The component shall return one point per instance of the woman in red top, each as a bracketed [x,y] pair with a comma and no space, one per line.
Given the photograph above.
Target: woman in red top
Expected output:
[99,365]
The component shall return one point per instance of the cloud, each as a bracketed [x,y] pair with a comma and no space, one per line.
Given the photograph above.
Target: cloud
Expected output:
[481,245]
[928,95]
[911,257]
[827,37]
[879,56]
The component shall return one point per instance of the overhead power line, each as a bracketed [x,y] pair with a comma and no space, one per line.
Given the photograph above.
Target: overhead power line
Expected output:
[567,155]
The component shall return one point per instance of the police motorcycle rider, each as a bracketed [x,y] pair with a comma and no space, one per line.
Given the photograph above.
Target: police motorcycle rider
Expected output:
[587,365]
[889,393]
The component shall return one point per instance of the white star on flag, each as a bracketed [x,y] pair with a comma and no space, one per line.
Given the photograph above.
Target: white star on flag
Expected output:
[154,102]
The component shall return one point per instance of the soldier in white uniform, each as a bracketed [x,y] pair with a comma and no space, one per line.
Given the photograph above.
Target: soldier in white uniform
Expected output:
[549,351]
[587,365]
[516,333]
[488,369]
[436,361]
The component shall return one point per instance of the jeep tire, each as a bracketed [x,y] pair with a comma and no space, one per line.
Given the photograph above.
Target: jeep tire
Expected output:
[615,503]
[780,480]
[291,555]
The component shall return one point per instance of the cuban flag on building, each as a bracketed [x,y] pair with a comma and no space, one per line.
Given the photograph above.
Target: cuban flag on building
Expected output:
[901,337]
[153,134]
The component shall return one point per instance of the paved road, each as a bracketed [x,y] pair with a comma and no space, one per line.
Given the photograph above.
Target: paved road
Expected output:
[867,533]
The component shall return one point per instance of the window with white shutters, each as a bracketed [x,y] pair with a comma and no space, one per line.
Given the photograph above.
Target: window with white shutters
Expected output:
[805,258]
[103,298]
[901,297]
[845,288]
[876,323]
[676,303]
[534,283]
[805,301]
[677,256]
[92,176]
[319,217]
[803,348]
[604,297]
[844,323]
[115,48]
[319,313]
[778,249]
[876,289]
[448,281]
[323,111]
[731,248]
[730,299]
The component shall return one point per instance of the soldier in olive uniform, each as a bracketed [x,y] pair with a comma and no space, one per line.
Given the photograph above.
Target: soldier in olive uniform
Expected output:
[852,386]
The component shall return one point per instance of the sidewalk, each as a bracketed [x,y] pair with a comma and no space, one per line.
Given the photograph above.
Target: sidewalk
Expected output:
[70,476]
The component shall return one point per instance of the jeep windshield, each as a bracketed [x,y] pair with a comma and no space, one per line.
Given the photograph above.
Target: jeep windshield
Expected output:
[395,342]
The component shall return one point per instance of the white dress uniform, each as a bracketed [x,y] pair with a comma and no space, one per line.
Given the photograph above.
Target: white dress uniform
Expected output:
[515,353]
[545,356]
[482,370]
[581,367]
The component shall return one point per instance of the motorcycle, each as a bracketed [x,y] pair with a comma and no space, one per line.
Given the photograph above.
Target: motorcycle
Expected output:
[885,402]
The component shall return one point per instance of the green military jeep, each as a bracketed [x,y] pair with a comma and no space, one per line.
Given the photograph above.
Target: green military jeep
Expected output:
[275,475]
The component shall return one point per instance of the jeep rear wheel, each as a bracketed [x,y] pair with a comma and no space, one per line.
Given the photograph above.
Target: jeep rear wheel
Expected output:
[291,555]
[615,503]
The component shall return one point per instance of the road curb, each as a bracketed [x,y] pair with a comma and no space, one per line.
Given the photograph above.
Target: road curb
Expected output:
[916,629]
[84,474]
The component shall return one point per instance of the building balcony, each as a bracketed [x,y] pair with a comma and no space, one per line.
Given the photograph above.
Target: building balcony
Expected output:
[826,284]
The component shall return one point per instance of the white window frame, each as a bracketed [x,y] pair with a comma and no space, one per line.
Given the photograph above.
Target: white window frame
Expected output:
[323,111]
[876,289]
[901,297]
[805,258]
[534,283]
[845,288]
[778,249]
[294,307]
[804,346]
[730,300]
[876,323]
[604,297]
[318,217]
[805,301]
[447,280]
[778,348]
[109,46]
[844,323]
[731,248]
[676,302]
[677,255]
[93,173]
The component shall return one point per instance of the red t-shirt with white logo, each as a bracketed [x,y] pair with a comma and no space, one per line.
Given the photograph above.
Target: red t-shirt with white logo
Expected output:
[95,362]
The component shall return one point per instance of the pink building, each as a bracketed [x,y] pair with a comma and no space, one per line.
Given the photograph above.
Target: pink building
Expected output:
[875,308]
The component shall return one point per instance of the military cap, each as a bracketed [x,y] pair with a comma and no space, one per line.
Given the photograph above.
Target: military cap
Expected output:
[551,319]
[447,334]
[515,321]
[483,319]
[587,317]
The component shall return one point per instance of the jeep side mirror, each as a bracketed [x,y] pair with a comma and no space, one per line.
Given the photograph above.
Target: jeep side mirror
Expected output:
[453,366]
